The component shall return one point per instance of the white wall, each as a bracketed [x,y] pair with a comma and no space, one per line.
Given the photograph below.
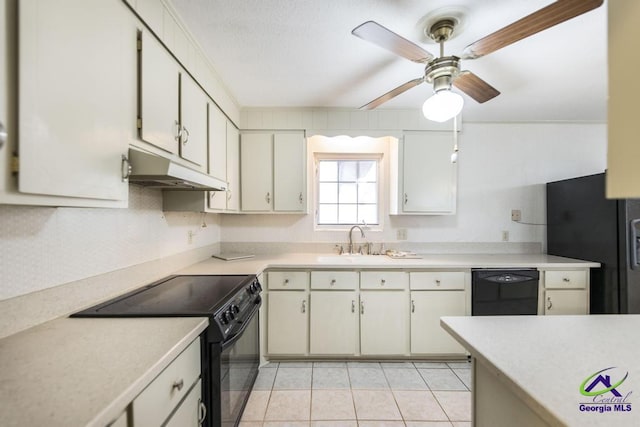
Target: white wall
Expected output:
[43,247]
[501,167]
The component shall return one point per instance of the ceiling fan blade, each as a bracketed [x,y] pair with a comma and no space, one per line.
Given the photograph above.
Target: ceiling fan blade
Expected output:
[557,12]
[475,87]
[375,33]
[392,94]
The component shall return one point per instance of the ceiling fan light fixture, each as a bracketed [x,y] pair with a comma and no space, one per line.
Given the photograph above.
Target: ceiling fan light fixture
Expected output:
[442,106]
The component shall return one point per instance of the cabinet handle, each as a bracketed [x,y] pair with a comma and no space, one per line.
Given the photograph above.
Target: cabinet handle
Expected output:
[406,198]
[333,282]
[268,198]
[178,131]
[202,412]
[178,384]
[187,137]
[125,167]
[3,137]
[286,282]
[304,306]
[413,306]
[300,197]
[353,306]
[549,303]
[437,282]
[566,279]
[361,307]
[382,282]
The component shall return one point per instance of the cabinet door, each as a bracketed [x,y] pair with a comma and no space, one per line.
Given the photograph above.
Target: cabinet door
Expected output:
[159,89]
[289,169]
[427,337]
[287,322]
[77,97]
[428,176]
[233,168]
[623,150]
[256,172]
[333,323]
[565,302]
[217,143]
[190,411]
[193,120]
[384,323]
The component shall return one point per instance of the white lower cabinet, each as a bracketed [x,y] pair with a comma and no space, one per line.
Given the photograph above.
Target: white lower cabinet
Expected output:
[374,313]
[427,337]
[171,389]
[333,323]
[191,412]
[565,302]
[566,292]
[287,322]
[384,323]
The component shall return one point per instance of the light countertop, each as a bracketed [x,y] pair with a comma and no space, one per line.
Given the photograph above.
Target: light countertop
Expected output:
[545,359]
[86,371]
[334,261]
[76,372]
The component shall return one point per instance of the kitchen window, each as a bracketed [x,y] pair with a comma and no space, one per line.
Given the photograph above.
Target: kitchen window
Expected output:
[347,191]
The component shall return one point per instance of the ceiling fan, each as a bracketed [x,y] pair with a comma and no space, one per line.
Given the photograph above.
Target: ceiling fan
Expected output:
[444,71]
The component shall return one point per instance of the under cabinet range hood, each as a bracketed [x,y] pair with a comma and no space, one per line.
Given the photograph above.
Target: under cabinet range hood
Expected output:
[151,170]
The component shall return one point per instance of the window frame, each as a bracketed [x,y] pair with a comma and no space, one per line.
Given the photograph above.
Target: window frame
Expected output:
[319,156]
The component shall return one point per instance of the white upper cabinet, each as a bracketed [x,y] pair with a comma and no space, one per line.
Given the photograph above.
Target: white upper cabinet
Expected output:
[424,180]
[76,91]
[193,122]
[623,150]
[173,108]
[289,183]
[159,91]
[256,172]
[233,168]
[217,143]
[273,172]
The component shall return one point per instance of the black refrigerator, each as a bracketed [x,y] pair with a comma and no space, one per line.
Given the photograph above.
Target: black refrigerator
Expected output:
[582,223]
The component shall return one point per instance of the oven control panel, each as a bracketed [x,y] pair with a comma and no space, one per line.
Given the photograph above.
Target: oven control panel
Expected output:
[233,314]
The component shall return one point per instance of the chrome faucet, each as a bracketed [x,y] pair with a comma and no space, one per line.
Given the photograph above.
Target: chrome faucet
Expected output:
[351,237]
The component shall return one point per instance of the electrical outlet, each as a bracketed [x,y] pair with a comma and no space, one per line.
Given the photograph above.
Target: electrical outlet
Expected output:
[401,234]
[516,215]
[189,237]
[505,236]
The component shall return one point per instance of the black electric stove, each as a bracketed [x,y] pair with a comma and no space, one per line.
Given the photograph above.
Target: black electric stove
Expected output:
[231,303]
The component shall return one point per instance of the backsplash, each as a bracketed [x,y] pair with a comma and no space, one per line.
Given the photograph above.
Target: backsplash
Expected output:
[43,247]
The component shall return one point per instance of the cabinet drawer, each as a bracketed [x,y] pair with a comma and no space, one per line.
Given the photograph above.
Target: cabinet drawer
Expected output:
[334,280]
[288,280]
[434,280]
[384,280]
[157,401]
[565,279]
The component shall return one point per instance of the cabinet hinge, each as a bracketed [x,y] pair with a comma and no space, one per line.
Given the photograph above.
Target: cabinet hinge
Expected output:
[139,123]
[15,164]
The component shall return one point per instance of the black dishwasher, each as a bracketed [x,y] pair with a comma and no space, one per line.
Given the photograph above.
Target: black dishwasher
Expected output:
[504,292]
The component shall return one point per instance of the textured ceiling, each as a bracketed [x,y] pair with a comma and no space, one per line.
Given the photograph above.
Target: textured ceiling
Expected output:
[300,53]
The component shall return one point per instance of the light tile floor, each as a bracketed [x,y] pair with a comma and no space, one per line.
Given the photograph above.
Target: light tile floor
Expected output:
[361,394]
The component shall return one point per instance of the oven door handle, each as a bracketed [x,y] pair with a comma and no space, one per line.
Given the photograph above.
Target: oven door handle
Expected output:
[235,337]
